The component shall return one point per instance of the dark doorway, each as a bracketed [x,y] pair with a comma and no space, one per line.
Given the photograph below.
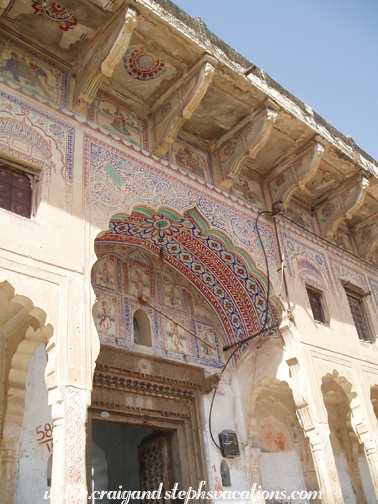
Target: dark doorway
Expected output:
[128,458]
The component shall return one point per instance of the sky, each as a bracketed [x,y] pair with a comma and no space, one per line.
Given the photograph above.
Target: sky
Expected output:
[325,52]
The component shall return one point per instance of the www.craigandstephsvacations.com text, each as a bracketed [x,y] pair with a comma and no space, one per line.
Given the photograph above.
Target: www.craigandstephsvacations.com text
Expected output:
[255,491]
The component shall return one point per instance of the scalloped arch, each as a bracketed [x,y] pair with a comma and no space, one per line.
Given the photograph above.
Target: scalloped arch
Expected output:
[357,419]
[23,325]
[207,258]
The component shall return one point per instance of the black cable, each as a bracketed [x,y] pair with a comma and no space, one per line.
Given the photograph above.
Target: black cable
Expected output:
[330,243]
[239,343]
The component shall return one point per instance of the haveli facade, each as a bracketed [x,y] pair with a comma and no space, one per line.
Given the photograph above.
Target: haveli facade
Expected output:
[137,152]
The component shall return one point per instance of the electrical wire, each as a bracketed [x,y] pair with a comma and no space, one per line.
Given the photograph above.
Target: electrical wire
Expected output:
[239,343]
[245,340]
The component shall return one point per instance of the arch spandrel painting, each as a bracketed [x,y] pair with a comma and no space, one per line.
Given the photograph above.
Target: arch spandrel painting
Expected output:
[181,257]
[120,276]
[172,294]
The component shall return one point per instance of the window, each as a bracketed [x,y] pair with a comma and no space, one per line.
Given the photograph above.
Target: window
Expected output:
[316,302]
[355,296]
[18,189]
[141,328]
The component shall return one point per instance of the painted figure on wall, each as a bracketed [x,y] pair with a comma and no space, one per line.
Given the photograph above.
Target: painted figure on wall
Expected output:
[139,281]
[206,352]
[117,119]
[105,309]
[106,277]
[28,73]
[243,190]
[176,340]
[123,122]
[190,160]
[105,316]
[172,296]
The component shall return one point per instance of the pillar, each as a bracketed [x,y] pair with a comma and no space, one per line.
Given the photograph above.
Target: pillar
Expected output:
[69,415]
[324,463]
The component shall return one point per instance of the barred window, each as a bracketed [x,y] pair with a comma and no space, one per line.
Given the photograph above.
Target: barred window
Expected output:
[317,307]
[18,189]
[356,301]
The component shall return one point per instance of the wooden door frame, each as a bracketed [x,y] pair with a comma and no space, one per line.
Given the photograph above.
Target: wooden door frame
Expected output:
[144,391]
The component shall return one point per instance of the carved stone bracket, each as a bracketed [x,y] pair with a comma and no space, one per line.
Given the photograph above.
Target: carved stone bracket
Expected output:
[210,383]
[88,86]
[296,172]
[341,205]
[246,143]
[180,105]
[367,240]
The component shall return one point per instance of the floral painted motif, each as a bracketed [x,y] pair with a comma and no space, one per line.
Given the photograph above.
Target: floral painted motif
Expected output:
[166,109]
[328,209]
[366,234]
[56,13]
[220,274]
[230,148]
[280,180]
[142,65]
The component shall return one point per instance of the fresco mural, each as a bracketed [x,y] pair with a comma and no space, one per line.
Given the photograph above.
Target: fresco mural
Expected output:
[192,157]
[66,22]
[120,276]
[32,72]
[248,190]
[108,114]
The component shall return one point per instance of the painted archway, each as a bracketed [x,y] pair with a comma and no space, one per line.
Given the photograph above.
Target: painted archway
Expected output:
[225,275]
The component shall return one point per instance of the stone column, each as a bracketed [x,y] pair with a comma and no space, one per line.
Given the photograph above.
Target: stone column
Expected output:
[324,463]
[78,401]
[11,434]
[371,454]
[69,414]
[58,479]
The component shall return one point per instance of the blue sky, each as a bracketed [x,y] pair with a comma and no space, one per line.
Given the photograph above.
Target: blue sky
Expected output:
[325,52]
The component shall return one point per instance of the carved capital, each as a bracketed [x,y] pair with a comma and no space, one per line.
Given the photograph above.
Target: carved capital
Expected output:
[179,107]
[341,206]
[295,172]
[245,144]
[367,240]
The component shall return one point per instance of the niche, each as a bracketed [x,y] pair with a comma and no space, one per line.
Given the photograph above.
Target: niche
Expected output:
[141,328]
[225,474]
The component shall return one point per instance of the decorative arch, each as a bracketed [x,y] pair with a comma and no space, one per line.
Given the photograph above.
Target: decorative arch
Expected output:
[225,275]
[357,418]
[347,423]
[29,142]
[23,326]
[374,398]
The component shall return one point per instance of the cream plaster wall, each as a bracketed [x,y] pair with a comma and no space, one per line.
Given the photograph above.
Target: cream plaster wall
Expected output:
[32,455]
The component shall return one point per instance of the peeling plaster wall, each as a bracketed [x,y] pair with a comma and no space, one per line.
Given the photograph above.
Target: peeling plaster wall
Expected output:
[34,454]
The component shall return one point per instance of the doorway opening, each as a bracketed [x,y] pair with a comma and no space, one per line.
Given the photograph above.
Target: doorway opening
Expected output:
[129,458]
